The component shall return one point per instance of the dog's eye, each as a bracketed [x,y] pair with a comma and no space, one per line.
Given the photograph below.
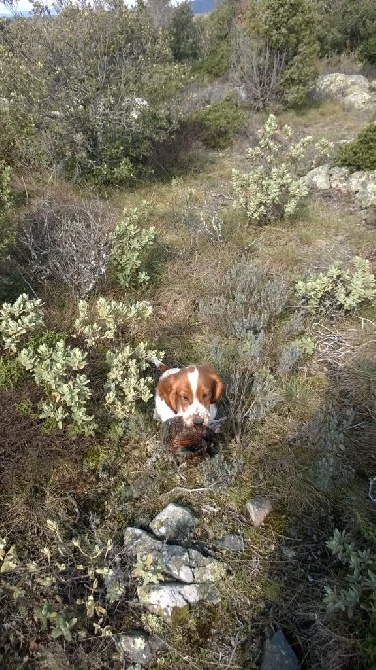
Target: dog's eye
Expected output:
[185,398]
[205,395]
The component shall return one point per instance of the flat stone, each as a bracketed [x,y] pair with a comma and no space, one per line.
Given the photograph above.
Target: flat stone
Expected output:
[258,507]
[278,655]
[173,522]
[137,541]
[231,542]
[163,599]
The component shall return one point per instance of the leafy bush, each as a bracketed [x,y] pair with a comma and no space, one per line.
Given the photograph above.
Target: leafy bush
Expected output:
[100,321]
[128,242]
[217,47]
[67,393]
[358,598]
[21,318]
[219,122]
[125,385]
[67,588]
[339,289]
[273,189]
[7,229]
[361,153]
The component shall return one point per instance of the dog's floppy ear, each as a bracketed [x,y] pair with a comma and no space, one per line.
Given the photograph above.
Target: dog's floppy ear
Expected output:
[217,385]
[167,390]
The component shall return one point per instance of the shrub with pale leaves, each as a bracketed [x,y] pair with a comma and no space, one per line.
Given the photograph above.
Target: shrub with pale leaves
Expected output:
[54,368]
[128,244]
[125,384]
[273,188]
[18,319]
[101,320]
[339,289]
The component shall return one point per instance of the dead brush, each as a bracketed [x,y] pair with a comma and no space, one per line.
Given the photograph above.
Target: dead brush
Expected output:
[66,241]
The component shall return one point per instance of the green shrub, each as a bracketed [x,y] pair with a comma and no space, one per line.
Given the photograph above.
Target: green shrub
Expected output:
[273,188]
[339,289]
[7,228]
[21,318]
[100,321]
[89,91]
[128,243]
[361,153]
[289,29]
[54,369]
[358,598]
[219,122]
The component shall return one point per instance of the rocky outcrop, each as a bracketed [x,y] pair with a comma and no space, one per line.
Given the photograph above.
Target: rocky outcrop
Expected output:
[360,185]
[180,577]
[353,90]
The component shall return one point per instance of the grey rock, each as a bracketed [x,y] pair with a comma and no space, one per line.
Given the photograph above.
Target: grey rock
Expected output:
[189,565]
[339,177]
[258,508]
[352,90]
[360,185]
[231,542]
[137,541]
[278,655]
[318,178]
[163,599]
[138,646]
[173,522]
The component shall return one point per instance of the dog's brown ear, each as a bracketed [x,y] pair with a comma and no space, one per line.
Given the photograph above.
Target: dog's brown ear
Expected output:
[167,390]
[217,385]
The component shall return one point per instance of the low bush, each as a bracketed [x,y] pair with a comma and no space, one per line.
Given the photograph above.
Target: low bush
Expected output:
[219,122]
[361,153]
[358,597]
[339,289]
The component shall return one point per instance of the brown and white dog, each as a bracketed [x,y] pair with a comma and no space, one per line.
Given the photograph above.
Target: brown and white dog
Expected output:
[189,392]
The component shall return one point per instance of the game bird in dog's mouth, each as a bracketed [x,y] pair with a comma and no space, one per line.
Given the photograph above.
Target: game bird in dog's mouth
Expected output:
[190,393]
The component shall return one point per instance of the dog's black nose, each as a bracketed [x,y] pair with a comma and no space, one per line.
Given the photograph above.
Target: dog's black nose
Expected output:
[198,421]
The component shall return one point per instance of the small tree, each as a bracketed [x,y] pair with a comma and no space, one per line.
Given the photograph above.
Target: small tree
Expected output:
[288,28]
[184,37]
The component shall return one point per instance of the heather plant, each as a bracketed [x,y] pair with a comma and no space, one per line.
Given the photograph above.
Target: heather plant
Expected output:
[54,368]
[219,122]
[273,188]
[19,319]
[101,320]
[339,289]
[325,435]
[128,245]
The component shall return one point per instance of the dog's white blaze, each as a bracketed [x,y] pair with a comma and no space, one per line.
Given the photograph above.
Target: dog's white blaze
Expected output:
[193,380]
[195,408]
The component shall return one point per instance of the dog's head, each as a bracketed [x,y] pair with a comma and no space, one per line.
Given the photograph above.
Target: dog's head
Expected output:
[190,391]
